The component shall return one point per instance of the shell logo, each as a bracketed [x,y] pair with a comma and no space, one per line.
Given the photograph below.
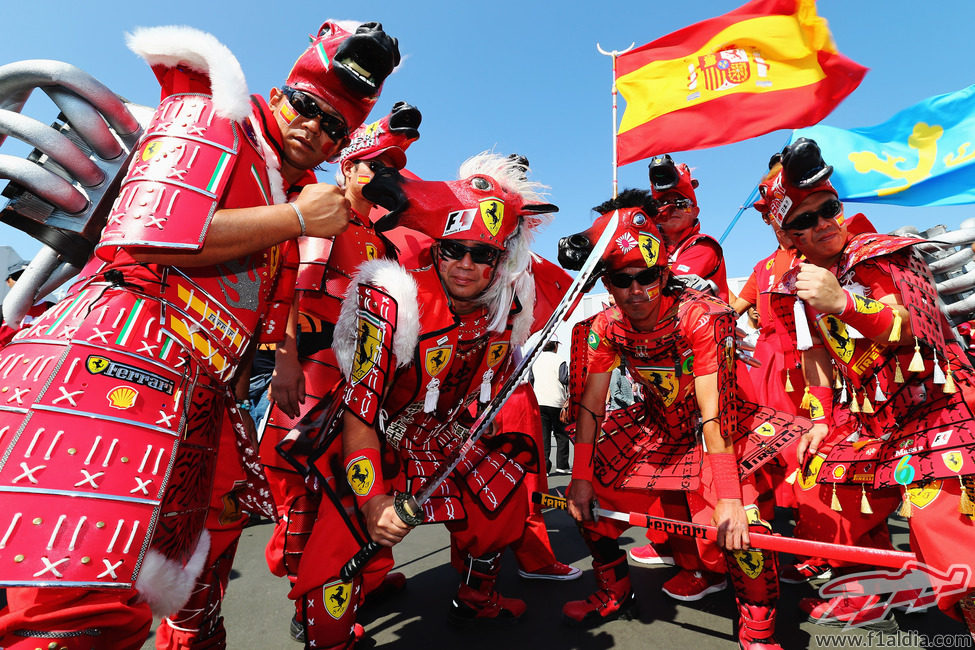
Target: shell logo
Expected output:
[122,397]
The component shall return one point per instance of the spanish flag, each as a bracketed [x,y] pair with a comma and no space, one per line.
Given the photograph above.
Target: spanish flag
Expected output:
[770,64]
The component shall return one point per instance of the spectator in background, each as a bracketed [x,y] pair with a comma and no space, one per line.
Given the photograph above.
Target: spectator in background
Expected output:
[550,379]
[620,390]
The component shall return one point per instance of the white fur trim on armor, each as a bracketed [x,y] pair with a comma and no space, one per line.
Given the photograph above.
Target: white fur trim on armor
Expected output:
[174,45]
[273,164]
[398,283]
[166,584]
[522,325]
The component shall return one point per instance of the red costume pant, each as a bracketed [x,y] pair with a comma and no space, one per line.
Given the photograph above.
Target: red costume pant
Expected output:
[941,536]
[330,606]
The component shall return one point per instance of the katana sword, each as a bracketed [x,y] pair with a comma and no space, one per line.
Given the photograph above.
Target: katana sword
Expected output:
[409,507]
[767,541]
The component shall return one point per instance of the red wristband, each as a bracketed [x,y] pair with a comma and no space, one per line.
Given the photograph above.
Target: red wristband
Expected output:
[820,403]
[363,471]
[724,473]
[871,318]
[582,464]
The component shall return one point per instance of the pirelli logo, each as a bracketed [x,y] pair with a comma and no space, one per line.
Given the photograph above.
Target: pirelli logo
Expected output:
[98,365]
[867,359]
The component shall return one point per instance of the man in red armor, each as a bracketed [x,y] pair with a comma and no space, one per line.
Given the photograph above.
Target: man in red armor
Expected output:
[305,368]
[864,306]
[678,343]
[418,349]
[125,462]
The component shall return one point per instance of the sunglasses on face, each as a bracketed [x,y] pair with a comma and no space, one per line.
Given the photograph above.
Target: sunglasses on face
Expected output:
[679,204]
[333,126]
[480,254]
[622,280]
[374,165]
[829,210]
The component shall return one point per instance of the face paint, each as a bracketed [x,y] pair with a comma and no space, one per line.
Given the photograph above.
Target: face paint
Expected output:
[653,291]
[486,273]
[288,113]
[362,179]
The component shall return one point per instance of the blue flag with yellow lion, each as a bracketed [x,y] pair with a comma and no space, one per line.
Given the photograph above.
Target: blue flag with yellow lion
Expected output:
[923,155]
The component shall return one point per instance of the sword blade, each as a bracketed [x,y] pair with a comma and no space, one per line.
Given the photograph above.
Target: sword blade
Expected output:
[578,288]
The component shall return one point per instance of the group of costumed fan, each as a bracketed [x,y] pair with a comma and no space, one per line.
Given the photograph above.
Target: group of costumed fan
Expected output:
[399,309]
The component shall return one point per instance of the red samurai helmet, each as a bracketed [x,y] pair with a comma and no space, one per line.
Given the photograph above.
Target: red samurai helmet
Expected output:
[346,69]
[667,178]
[391,135]
[490,203]
[636,242]
[793,175]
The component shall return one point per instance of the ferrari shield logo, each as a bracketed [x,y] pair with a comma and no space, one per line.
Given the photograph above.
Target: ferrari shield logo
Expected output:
[835,335]
[336,598]
[361,475]
[751,562]
[97,364]
[815,408]
[765,429]
[650,248]
[368,349]
[492,212]
[953,460]
[496,353]
[664,380]
[151,149]
[866,305]
[807,478]
[437,358]
[922,496]
[371,252]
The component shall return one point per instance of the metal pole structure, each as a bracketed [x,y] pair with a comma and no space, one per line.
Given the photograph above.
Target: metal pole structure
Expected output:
[752,197]
[614,54]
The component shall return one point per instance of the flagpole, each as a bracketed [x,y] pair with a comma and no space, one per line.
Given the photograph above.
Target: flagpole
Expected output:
[614,54]
[752,197]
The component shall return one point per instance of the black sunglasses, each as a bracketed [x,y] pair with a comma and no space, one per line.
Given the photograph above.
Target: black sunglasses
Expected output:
[622,280]
[829,210]
[333,126]
[680,204]
[480,254]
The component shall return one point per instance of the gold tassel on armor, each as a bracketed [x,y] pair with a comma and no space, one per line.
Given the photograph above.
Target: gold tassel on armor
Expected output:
[895,329]
[949,386]
[917,361]
[865,508]
[804,404]
[834,502]
[866,407]
[966,505]
[854,407]
[898,373]
[788,382]
[837,382]
[905,509]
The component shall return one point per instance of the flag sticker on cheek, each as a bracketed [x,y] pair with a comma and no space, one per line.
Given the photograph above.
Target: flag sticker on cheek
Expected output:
[653,292]
[288,113]
[362,179]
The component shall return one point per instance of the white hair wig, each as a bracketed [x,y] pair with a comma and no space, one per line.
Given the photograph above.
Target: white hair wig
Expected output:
[512,275]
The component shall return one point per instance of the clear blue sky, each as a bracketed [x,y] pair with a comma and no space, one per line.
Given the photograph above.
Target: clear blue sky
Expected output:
[526,77]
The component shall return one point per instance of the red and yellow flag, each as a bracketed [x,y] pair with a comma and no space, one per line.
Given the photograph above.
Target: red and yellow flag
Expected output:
[770,64]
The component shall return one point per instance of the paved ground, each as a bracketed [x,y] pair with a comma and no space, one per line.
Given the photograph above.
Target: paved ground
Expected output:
[258,612]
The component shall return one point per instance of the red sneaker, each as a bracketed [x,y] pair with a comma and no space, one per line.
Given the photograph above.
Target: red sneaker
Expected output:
[803,572]
[694,585]
[556,571]
[855,611]
[651,555]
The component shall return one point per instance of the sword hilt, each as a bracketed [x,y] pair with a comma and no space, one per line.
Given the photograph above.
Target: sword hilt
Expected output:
[411,515]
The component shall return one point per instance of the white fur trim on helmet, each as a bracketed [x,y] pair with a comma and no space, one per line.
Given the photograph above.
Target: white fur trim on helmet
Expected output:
[397,282]
[175,45]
